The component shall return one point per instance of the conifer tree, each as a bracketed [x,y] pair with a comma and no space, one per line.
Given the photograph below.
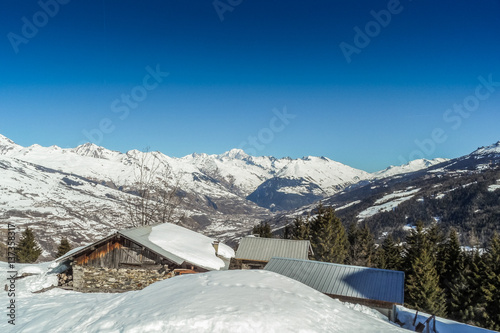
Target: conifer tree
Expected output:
[491,284]
[416,242]
[389,255]
[63,247]
[465,294]
[450,262]
[299,229]
[353,236]
[328,236]
[424,292]
[361,246]
[28,250]
[263,230]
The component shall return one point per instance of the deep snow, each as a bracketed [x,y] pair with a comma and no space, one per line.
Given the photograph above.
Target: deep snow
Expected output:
[219,301]
[190,245]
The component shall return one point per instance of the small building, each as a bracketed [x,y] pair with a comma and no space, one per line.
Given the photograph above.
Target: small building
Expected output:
[380,289]
[255,252]
[132,259]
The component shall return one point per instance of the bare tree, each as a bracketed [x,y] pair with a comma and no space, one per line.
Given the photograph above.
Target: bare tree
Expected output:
[154,191]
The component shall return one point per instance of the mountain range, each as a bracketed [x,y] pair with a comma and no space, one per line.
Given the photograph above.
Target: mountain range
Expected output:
[81,192]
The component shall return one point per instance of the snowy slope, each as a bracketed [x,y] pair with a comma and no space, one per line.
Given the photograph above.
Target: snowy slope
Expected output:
[488,151]
[411,166]
[388,203]
[227,301]
[79,192]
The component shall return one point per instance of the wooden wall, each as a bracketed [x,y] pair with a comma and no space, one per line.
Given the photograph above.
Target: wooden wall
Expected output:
[121,252]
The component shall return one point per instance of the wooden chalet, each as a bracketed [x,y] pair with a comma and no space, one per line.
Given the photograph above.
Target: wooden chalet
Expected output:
[128,260]
[130,248]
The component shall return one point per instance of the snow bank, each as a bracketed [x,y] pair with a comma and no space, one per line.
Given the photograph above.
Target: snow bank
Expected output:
[406,316]
[190,245]
[226,301]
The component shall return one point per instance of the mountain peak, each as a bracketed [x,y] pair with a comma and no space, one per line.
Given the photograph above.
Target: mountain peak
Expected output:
[5,140]
[235,153]
[7,145]
[411,166]
[488,150]
[92,150]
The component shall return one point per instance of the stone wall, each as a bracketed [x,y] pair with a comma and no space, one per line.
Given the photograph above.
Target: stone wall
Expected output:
[93,279]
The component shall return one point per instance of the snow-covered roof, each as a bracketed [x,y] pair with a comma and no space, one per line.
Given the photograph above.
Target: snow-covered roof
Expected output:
[193,247]
[343,280]
[172,242]
[263,249]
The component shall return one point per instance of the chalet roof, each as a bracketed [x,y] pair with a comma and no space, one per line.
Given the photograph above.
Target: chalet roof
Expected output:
[141,236]
[137,235]
[343,280]
[263,249]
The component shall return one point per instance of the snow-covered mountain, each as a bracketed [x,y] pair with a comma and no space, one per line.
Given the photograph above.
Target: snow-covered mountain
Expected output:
[81,191]
[411,166]
[462,193]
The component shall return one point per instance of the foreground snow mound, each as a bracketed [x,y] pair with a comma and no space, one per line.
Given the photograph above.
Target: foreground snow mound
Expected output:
[190,245]
[218,301]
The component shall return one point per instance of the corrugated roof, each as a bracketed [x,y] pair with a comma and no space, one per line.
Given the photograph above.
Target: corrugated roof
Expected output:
[343,280]
[263,249]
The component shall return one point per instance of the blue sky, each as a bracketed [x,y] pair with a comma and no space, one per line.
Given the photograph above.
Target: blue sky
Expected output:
[270,77]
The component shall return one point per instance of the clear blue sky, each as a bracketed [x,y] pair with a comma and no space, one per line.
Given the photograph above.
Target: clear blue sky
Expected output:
[68,75]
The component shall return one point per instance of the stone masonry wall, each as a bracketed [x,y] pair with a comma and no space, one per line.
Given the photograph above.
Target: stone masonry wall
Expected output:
[93,279]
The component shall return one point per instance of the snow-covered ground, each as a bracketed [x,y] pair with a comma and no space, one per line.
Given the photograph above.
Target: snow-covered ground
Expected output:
[387,203]
[494,187]
[411,166]
[219,301]
[348,205]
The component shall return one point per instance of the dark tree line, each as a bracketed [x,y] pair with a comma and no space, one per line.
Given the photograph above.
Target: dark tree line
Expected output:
[28,250]
[440,277]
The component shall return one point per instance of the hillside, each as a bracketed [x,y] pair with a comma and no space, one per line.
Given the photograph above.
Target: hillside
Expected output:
[462,192]
[82,193]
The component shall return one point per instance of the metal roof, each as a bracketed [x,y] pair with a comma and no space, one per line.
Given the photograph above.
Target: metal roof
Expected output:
[263,249]
[343,280]
[137,235]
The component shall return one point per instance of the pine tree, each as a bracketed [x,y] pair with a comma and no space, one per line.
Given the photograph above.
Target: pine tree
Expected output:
[491,284]
[389,255]
[450,264]
[27,250]
[361,246]
[299,230]
[467,301]
[416,242]
[328,236]
[63,247]
[424,292]
[353,236]
[263,230]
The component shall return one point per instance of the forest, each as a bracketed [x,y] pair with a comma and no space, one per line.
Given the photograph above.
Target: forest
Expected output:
[441,276]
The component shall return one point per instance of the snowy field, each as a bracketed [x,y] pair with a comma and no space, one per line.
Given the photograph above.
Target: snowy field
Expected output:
[219,301]
[387,203]
[226,301]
